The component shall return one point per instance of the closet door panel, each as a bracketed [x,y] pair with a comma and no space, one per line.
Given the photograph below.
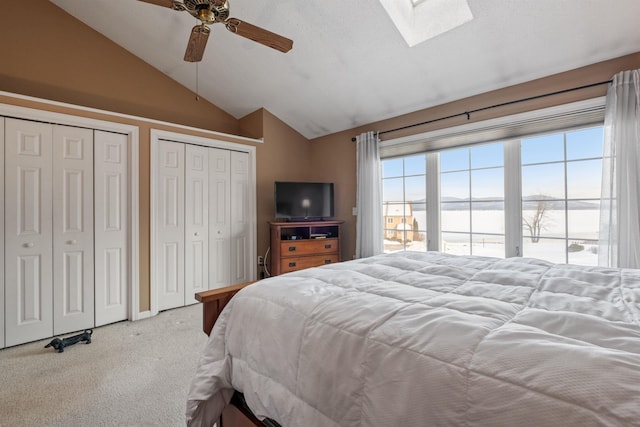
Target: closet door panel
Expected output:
[170,225]
[28,232]
[111,207]
[2,342]
[240,219]
[219,218]
[196,221]
[73,295]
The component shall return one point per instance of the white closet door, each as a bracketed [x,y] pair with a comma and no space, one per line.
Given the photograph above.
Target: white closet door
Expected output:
[28,231]
[196,243]
[219,217]
[111,207]
[169,234]
[2,344]
[73,298]
[241,259]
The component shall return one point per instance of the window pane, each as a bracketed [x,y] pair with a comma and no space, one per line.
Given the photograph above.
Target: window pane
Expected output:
[584,219]
[487,155]
[420,215]
[488,218]
[455,217]
[584,179]
[583,252]
[454,160]
[392,190]
[585,143]
[454,186]
[487,184]
[456,243]
[392,168]
[415,188]
[393,213]
[543,221]
[553,250]
[487,245]
[547,148]
[543,181]
[415,165]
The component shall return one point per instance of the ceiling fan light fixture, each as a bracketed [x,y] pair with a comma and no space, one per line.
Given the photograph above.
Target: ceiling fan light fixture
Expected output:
[209,12]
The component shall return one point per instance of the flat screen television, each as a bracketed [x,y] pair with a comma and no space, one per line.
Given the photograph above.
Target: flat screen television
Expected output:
[300,201]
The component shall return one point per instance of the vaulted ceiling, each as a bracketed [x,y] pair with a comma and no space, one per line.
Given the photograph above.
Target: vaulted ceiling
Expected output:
[350,65]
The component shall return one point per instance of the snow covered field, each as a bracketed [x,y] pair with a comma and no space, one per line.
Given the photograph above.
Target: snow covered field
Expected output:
[552,246]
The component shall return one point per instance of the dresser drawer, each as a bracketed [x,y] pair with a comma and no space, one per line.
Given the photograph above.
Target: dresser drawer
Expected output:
[294,248]
[300,263]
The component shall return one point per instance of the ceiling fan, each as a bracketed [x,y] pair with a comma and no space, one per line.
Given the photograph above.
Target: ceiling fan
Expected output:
[214,11]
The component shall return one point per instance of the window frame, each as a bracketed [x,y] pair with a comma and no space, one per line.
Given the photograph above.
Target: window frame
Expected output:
[585,114]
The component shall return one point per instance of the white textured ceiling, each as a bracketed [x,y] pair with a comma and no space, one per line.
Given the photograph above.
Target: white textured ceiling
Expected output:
[350,66]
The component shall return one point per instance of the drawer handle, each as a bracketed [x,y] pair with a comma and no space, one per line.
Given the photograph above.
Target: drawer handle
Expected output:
[292,248]
[327,261]
[327,246]
[292,264]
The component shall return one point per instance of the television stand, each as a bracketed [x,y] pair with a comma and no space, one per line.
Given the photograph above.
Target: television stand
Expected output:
[296,245]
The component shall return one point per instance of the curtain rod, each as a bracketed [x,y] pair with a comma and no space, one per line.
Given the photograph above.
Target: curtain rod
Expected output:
[468,113]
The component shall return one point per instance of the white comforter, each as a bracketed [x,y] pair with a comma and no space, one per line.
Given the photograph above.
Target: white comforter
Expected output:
[428,339]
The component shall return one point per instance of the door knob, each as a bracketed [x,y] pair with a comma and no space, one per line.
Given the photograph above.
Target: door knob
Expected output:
[72,242]
[28,245]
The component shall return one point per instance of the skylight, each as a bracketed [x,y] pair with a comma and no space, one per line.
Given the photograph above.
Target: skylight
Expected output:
[421,20]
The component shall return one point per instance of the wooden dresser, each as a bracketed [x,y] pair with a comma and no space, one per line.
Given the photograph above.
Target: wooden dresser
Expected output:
[299,245]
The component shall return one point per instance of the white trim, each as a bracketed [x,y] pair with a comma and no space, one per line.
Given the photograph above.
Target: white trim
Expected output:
[130,117]
[144,315]
[134,226]
[132,133]
[156,136]
[433,193]
[512,199]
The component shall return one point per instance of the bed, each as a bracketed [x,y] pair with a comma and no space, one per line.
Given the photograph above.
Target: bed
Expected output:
[427,338]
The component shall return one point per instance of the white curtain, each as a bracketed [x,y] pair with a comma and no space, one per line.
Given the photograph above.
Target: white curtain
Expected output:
[620,205]
[369,196]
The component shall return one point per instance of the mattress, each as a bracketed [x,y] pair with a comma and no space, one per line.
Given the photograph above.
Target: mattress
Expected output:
[426,338]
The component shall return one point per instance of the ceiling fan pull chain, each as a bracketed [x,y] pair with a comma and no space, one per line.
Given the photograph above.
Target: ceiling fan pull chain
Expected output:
[197,92]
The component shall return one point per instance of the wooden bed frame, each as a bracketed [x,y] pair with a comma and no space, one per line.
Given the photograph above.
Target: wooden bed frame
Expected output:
[236,414]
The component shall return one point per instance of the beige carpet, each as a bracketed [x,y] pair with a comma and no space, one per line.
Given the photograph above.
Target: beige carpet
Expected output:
[132,374]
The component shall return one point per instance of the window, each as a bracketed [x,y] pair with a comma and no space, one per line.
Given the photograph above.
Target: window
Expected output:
[558,198]
[472,200]
[404,203]
[561,185]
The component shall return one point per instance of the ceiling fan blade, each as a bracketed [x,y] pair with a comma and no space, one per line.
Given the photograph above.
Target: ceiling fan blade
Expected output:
[164,3]
[197,43]
[259,35]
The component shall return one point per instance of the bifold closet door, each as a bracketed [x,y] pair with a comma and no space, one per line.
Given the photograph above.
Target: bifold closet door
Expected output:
[240,220]
[169,220]
[229,218]
[73,259]
[111,227]
[28,231]
[219,217]
[196,241]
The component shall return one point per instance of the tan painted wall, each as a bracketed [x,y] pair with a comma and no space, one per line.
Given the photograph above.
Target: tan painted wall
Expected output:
[284,156]
[334,156]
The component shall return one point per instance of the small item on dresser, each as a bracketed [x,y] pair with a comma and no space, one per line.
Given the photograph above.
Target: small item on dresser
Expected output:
[59,344]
